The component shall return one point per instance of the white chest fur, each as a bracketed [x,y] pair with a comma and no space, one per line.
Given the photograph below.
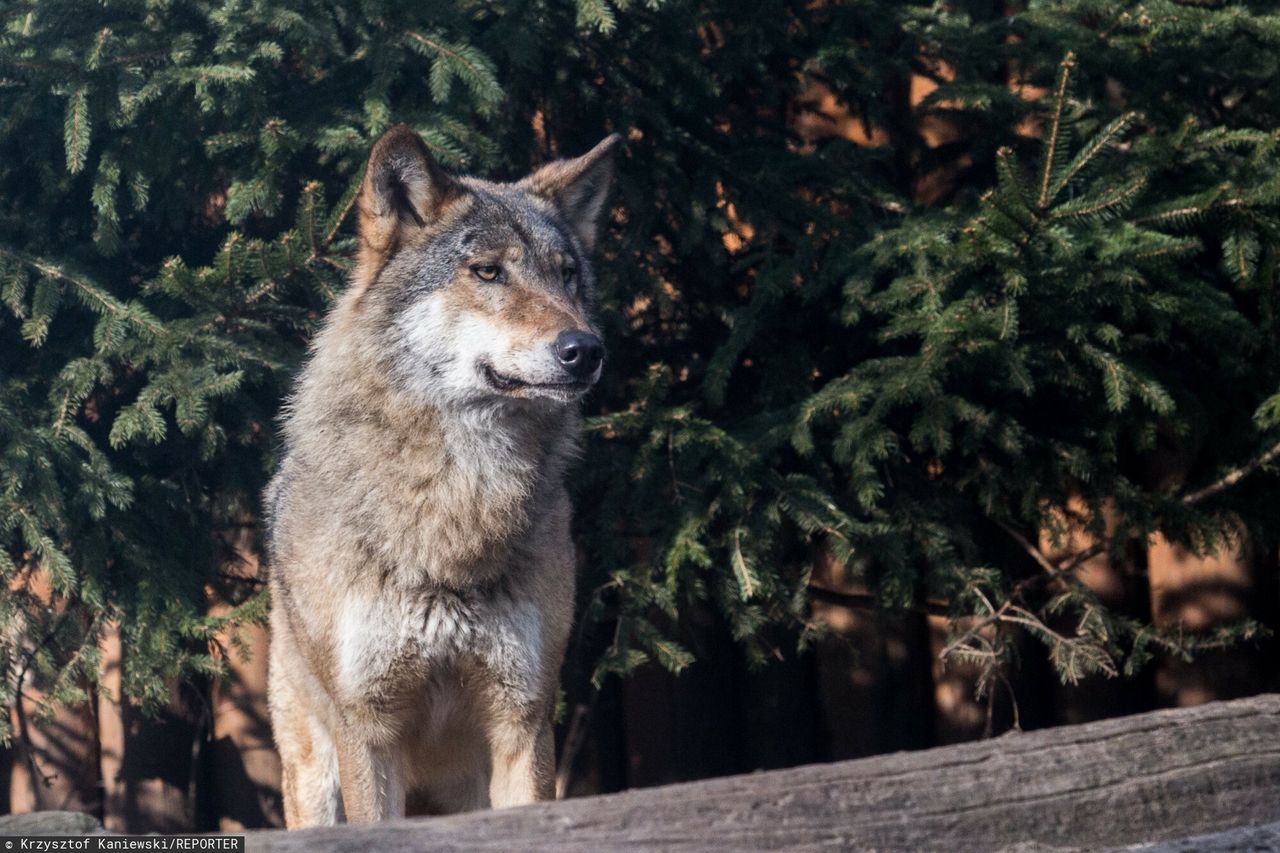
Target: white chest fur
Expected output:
[397,638]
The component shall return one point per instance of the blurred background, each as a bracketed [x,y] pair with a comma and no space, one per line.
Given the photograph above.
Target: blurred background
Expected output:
[943,391]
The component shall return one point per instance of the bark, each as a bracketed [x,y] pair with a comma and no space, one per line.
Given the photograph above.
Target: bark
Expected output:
[1148,778]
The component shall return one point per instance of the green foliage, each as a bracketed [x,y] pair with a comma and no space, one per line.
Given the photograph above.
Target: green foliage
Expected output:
[858,375]
[902,387]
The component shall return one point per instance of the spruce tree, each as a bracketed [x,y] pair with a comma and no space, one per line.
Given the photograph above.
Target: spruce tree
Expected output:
[803,354]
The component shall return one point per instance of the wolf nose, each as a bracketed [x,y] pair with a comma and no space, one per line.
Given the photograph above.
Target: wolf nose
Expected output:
[579,352]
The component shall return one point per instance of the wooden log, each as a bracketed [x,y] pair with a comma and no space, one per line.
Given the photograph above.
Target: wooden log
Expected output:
[1148,778]
[1261,837]
[49,823]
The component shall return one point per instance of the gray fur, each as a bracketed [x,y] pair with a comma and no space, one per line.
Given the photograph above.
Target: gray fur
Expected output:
[421,566]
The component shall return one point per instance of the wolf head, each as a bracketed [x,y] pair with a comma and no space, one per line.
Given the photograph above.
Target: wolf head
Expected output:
[481,291]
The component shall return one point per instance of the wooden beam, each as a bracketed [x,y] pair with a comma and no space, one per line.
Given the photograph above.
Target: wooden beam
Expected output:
[1261,837]
[1148,778]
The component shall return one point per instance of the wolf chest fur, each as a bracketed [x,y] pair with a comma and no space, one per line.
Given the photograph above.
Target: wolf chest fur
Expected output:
[421,562]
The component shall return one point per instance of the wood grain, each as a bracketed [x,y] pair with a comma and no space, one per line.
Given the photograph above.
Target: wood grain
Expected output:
[1147,778]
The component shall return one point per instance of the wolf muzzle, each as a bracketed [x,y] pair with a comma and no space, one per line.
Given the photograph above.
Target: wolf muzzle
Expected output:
[579,353]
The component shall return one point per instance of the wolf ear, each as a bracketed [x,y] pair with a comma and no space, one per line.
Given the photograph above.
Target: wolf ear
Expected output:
[403,188]
[579,187]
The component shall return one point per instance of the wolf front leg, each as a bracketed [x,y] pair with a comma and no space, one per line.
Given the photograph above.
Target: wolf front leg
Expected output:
[302,720]
[523,761]
[309,764]
[372,787]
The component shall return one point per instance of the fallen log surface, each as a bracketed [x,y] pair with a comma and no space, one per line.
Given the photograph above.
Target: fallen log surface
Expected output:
[1194,779]
[1166,776]
[1263,837]
[49,823]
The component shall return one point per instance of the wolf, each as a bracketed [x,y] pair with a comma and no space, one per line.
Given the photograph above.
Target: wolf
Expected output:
[420,562]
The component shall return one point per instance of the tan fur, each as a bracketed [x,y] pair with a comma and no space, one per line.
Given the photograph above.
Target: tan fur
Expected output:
[382,229]
[422,569]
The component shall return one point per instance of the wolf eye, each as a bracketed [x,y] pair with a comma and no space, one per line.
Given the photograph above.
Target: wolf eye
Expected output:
[487,272]
[569,274]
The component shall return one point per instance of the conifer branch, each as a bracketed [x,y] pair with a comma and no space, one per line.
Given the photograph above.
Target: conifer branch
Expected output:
[740,566]
[1087,207]
[1034,552]
[1051,139]
[1100,142]
[1082,557]
[1187,211]
[1079,558]
[1231,478]
[63,412]
[91,292]
[337,223]
[932,330]
[994,615]
[439,48]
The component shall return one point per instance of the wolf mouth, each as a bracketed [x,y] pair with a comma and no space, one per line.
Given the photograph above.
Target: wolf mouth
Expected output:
[508,384]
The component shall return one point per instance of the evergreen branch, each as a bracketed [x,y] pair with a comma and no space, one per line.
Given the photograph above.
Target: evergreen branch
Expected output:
[1010,177]
[595,13]
[342,217]
[1064,567]
[76,129]
[71,668]
[137,315]
[996,615]
[64,411]
[1021,616]
[441,49]
[1180,247]
[464,63]
[740,566]
[1087,207]
[1080,557]
[1187,212]
[1034,552]
[1230,479]
[1085,155]
[1175,213]
[262,289]
[1051,140]
[1079,650]
[867,600]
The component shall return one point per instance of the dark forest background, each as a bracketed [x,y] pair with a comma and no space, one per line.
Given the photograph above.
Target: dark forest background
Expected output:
[943,394]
